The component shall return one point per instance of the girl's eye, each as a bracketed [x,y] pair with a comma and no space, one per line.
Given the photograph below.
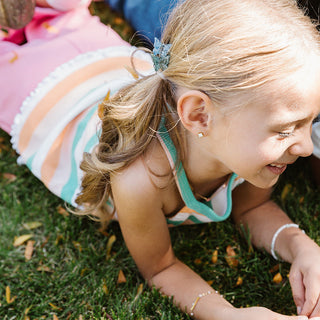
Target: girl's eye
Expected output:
[317,119]
[285,134]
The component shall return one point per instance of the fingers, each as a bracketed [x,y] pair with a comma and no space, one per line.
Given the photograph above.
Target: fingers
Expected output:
[315,315]
[311,306]
[298,289]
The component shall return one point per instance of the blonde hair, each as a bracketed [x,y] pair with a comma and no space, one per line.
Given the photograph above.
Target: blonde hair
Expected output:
[224,48]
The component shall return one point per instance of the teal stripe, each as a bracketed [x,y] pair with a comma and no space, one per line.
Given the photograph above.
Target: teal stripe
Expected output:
[29,162]
[186,192]
[69,188]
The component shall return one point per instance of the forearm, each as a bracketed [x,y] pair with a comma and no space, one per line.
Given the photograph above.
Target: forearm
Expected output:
[263,221]
[185,286]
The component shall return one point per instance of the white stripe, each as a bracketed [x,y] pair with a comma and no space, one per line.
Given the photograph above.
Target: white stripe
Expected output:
[61,73]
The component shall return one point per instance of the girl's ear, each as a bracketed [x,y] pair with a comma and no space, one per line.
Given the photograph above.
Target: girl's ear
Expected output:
[195,111]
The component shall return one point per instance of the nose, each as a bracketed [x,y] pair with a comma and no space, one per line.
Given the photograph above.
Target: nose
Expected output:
[303,145]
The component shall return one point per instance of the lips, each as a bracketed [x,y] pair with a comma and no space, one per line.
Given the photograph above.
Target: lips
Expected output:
[277,168]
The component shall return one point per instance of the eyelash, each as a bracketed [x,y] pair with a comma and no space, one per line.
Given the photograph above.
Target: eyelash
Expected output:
[285,134]
[317,119]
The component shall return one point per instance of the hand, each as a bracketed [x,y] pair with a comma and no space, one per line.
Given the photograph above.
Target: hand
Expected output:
[305,281]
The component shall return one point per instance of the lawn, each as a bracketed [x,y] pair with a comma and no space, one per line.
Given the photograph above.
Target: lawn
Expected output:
[67,268]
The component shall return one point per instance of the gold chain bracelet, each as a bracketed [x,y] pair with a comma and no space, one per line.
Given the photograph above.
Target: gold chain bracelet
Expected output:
[201,295]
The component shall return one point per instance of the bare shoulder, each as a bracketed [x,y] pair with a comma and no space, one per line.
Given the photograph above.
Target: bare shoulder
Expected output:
[146,175]
[147,181]
[133,184]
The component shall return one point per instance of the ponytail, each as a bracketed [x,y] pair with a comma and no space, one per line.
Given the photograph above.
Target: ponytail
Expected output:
[130,120]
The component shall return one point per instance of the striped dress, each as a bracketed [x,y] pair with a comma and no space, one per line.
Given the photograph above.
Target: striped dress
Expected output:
[59,121]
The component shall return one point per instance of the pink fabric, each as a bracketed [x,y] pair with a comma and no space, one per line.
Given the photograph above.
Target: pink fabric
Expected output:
[53,38]
[65,5]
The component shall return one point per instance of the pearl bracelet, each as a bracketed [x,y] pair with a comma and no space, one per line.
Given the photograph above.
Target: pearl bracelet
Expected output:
[201,295]
[275,236]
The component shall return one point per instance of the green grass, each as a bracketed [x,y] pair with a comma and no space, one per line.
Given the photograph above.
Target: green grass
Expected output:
[69,274]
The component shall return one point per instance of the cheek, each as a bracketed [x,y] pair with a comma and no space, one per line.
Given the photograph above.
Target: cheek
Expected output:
[257,152]
[271,150]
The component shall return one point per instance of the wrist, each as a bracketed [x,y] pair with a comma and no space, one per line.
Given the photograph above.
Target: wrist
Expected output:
[212,306]
[288,241]
[301,244]
[281,229]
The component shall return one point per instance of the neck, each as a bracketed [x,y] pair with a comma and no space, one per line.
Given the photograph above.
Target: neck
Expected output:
[205,172]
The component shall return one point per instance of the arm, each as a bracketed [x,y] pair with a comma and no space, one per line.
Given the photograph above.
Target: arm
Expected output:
[146,234]
[144,227]
[262,217]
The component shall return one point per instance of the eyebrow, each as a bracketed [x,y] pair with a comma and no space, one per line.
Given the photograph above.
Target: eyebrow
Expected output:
[294,122]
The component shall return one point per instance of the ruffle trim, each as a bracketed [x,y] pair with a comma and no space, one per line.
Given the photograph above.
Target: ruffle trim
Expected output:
[60,73]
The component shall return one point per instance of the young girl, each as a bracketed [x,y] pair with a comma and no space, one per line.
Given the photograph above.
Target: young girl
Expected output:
[207,134]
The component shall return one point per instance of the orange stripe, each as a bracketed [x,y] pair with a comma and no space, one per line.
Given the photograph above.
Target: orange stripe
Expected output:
[53,157]
[66,85]
[51,162]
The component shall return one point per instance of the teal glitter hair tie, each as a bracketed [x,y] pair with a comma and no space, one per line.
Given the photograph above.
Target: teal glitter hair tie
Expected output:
[160,55]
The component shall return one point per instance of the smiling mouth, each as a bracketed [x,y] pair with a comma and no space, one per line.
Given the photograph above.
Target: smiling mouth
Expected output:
[277,168]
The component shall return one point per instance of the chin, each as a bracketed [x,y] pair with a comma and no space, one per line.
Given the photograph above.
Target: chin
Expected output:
[263,183]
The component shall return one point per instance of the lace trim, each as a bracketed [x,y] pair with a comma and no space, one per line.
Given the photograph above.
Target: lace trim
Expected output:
[60,73]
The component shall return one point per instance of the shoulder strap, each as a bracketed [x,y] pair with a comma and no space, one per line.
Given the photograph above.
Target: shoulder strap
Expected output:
[183,183]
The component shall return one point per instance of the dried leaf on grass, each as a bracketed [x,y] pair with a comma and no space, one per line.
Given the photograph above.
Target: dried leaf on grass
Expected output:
[10,177]
[277,278]
[239,281]
[214,257]
[32,225]
[29,249]
[53,306]
[44,268]
[110,243]
[121,277]
[105,288]
[27,310]
[18,241]
[139,292]
[231,257]
[61,210]
[9,299]
[55,317]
